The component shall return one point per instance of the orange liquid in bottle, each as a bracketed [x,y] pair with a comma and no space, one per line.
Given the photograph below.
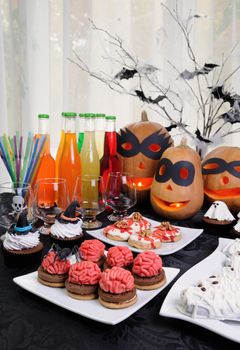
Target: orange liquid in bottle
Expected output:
[70,163]
[59,152]
[46,170]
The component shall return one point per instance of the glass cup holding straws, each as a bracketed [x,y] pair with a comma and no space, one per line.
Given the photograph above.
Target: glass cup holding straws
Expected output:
[89,192]
[51,197]
[14,199]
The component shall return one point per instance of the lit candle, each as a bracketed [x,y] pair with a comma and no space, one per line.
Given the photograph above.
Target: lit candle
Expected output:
[175,205]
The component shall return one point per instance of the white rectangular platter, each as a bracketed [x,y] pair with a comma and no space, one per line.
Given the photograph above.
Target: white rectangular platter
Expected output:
[89,308]
[188,235]
[207,267]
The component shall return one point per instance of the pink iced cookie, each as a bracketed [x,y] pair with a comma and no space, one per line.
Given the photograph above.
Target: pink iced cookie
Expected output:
[92,250]
[116,280]
[147,264]
[85,272]
[119,256]
[53,265]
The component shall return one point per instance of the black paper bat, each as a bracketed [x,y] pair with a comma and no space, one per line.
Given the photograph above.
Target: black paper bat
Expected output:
[125,74]
[219,93]
[233,115]
[170,127]
[149,99]
[200,138]
[207,68]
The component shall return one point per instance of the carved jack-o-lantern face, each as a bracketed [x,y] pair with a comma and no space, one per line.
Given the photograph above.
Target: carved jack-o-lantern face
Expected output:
[140,146]
[177,189]
[221,174]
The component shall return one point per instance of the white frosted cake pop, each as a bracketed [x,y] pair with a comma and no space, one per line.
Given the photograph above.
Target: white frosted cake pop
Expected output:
[218,213]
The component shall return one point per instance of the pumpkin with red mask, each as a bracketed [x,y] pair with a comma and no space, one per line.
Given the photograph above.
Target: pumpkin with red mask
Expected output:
[221,174]
[140,146]
[177,188]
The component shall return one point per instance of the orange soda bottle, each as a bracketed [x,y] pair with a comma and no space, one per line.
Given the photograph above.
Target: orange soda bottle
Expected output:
[70,163]
[60,147]
[47,165]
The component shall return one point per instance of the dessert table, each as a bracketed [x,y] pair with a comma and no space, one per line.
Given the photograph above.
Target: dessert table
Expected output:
[29,322]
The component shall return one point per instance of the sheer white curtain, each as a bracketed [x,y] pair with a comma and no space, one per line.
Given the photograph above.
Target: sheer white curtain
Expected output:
[37,38]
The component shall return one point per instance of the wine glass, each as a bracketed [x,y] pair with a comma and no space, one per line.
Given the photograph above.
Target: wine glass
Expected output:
[121,194]
[89,192]
[50,198]
[14,199]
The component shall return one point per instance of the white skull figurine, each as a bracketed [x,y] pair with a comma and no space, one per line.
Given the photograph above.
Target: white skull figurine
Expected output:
[18,204]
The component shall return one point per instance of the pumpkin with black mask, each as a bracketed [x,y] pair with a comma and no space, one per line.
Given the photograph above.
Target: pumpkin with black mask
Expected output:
[221,175]
[177,188]
[140,146]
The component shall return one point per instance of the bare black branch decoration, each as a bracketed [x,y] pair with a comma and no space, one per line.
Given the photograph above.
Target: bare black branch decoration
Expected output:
[217,110]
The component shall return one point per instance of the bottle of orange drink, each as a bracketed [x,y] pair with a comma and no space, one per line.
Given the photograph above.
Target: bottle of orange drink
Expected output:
[47,166]
[70,163]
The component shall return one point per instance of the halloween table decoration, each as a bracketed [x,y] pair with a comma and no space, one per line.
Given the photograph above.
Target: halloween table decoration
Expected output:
[221,174]
[140,146]
[218,214]
[177,188]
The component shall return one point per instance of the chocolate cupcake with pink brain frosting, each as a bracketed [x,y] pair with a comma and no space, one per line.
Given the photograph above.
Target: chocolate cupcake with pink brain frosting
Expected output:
[147,271]
[83,279]
[117,289]
[53,271]
[120,257]
[92,250]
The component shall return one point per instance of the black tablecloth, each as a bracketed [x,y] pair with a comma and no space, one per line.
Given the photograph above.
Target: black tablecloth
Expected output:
[29,322]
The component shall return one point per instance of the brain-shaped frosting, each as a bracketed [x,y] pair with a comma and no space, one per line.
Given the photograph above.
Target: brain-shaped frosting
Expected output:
[147,264]
[53,265]
[116,280]
[92,250]
[119,256]
[85,272]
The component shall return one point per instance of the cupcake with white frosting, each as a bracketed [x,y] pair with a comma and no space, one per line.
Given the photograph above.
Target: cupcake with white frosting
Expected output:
[67,229]
[22,245]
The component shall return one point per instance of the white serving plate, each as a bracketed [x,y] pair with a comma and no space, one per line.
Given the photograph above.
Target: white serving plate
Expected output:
[90,308]
[188,235]
[207,267]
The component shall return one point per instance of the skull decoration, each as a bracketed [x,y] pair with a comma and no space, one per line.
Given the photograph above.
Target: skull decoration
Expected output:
[18,204]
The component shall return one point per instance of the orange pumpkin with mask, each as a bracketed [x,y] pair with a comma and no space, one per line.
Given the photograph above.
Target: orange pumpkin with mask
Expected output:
[177,188]
[221,174]
[140,146]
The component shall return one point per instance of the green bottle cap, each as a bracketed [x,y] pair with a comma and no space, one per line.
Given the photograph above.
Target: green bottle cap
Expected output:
[43,116]
[69,114]
[100,115]
[89,115]
[82,115]
[110,117]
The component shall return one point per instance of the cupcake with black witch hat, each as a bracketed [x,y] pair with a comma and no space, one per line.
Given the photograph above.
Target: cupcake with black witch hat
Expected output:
[67,229]
[22,245]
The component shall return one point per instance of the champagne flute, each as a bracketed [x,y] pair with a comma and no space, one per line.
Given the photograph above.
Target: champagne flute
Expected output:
[14,199]
[120,194]
[51,197]
[89,192]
